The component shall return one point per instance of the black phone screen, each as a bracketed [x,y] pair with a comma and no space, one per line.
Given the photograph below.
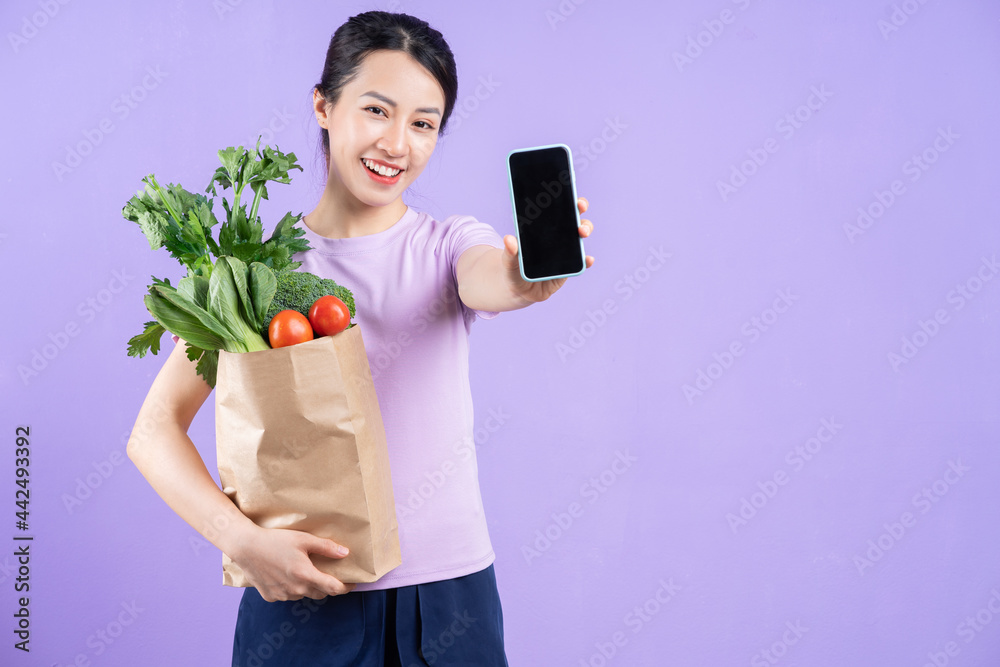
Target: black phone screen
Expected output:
[546,213]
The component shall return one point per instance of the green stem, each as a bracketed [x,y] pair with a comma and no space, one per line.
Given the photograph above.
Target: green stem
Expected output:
[163,198]
[252,342]
[246,339]
[256,202]
[257,342]
[238,182]
[236,196]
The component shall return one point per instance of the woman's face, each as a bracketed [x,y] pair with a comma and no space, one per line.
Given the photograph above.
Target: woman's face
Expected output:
[387,117]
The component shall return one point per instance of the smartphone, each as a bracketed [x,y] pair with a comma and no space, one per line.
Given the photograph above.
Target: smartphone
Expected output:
[547,220]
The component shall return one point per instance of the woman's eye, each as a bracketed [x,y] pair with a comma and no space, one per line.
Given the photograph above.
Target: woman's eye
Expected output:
[424,125]
[376,109]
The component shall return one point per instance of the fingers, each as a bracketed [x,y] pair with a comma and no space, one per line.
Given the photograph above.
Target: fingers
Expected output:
[325,584]
[510,244]
[590,261]
[318,584]
[586,226]
[284,570]
[327,548]
[510,252]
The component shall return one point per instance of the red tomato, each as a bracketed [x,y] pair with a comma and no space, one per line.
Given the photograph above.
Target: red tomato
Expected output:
[329,316]
[289,327]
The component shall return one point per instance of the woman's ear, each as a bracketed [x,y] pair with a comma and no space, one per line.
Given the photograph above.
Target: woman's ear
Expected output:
[320,107]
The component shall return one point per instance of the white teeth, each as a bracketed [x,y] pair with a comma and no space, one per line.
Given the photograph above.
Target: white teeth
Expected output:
[380,169]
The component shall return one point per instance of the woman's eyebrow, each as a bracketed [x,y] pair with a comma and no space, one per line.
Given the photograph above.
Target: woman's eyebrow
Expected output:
[383,98]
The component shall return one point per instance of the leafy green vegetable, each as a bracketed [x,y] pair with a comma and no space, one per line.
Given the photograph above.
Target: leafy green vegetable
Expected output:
[178,220]
[209,313]
[182,222]
[264,283]
[235,300]
[148,340]
[220,304]
[240,236]
[207,362]
[298,290]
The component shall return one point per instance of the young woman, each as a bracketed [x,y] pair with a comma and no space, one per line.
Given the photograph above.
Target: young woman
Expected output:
[388,87]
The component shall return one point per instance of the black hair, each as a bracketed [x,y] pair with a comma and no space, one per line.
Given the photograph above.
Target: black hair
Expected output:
[377,30]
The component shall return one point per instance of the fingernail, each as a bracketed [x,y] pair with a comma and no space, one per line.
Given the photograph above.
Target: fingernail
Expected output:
[342,550]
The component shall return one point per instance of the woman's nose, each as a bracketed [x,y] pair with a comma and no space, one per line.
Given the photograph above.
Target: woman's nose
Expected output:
[393,141]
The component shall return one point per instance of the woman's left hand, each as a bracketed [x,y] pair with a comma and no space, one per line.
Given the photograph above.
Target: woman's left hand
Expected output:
[534,292]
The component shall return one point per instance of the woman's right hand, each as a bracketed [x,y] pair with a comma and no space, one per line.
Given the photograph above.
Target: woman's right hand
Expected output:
[276,562]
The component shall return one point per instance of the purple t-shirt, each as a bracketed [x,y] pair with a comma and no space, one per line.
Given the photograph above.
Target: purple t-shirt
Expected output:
[416,331]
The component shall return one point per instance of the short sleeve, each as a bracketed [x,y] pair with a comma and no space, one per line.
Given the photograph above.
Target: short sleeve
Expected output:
[464,232]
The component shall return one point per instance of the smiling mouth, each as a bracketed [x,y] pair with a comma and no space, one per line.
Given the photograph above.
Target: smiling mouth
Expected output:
[381,170]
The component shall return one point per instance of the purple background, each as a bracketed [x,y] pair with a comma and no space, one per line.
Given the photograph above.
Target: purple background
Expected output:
[598,373]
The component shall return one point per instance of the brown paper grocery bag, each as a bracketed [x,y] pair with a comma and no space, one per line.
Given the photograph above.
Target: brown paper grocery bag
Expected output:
[301,445]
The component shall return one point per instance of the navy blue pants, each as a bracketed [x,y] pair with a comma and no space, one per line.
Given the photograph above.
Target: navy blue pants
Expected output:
[452,622]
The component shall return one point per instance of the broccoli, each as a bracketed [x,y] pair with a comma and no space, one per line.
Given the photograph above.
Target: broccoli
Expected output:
[298,290]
